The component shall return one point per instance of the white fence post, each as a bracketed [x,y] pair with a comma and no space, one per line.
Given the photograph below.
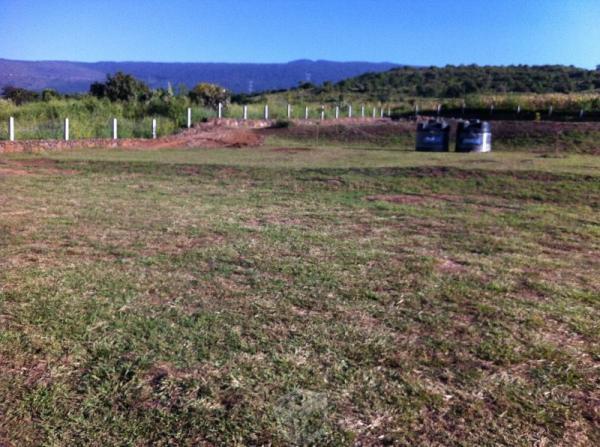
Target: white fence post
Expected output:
[220,111]
[389,112]
[289,111]
[245,113]
[374,112]
[362,111]
[11,129]
[66,129]
[266,111]
[337,112]
[350,111]
[306,112]
[382,113]
[114,129]
[322,113]
[154,128]
[189,117]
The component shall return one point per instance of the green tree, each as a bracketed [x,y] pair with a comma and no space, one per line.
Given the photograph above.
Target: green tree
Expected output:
[19,95]
[49,94]
[121,87]
[210,95]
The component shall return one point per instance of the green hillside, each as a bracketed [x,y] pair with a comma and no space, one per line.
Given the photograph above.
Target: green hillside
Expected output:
[453,82]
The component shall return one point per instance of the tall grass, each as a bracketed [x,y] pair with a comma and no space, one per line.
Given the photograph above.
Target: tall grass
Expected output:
[92,118]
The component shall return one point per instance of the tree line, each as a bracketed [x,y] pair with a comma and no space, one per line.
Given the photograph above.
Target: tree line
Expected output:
[394,85]
[126,89]
[458,81]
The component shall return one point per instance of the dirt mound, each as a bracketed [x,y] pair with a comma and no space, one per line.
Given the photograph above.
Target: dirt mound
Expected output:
[206,135]
[211,135]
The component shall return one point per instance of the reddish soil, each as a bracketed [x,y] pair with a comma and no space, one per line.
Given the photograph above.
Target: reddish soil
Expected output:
[206,135]
[42,166]
[4,172]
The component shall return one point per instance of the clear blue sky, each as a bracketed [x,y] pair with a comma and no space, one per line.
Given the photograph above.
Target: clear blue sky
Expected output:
[420,32]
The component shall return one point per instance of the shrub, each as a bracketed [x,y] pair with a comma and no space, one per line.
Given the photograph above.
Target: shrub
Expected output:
[19,95]
[210,95]
[121,87]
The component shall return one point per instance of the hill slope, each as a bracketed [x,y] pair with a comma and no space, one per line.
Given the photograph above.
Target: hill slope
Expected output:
[457,81]
[69,77]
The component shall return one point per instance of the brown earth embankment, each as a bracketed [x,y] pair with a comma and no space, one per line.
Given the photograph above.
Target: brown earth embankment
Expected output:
[208,135]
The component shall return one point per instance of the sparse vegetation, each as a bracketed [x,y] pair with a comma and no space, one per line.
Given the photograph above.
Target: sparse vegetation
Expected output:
[299,295]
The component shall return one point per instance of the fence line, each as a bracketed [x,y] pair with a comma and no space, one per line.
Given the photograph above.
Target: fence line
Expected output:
[148,127]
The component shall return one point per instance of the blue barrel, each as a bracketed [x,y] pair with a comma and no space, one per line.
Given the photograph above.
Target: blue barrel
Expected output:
[473,136]
[433,136]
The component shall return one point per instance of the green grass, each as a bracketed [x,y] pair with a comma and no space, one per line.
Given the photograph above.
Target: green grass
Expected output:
[92,118]
[325,297]
[299,155]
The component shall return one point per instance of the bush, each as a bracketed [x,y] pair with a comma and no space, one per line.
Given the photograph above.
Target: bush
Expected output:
[19,95]
[121,87]
[210,95]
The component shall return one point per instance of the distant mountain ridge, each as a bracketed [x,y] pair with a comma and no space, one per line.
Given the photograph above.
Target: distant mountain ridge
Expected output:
[72,77]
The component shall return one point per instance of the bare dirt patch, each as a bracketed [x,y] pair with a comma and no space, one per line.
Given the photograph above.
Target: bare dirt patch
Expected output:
[404,199]
[35,167]
[449,266]
[5,172]
[291,150]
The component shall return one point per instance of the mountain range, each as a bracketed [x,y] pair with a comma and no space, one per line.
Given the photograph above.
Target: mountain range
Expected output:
[73,77]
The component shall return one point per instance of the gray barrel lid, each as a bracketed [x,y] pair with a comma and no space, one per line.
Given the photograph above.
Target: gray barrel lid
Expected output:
[433,125]
[475,125]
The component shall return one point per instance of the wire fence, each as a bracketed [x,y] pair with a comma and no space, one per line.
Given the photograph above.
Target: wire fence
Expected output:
[78,129]
[92,126]
[502,114]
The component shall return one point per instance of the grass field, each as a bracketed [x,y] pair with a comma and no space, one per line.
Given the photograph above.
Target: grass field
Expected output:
[305,296]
